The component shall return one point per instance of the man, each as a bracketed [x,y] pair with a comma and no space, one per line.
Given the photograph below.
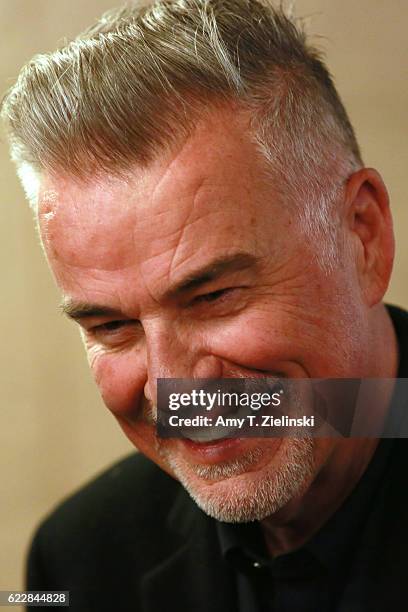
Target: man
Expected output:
[205,210]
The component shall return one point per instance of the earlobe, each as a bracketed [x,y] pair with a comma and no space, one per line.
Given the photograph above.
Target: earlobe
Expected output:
[370,224]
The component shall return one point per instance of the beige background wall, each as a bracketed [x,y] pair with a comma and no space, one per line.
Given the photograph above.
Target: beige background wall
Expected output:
[54,431]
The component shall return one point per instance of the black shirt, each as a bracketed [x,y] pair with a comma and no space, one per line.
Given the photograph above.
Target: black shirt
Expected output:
[323,572]
[312,578]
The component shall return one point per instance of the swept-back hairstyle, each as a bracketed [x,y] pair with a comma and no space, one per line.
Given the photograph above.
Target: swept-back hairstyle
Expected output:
[139,79]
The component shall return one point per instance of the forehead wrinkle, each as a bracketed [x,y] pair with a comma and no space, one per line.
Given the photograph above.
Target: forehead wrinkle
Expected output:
[187,223]
[165,168]
[161,276]
[204,138]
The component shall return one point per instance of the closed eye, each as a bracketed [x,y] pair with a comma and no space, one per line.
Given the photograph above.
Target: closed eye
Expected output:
[213,296]
[117,332]
[115,328]
[110,326]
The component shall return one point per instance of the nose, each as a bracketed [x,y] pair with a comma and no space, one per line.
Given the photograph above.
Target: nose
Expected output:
[171,356]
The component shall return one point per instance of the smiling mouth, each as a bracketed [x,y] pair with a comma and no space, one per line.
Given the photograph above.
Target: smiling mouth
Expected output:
[211,434]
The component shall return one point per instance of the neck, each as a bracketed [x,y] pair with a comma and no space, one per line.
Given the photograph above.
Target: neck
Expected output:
[295,524]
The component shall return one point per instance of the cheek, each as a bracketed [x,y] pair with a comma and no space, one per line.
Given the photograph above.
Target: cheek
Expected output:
[279,339]
[256,340]
[120,378]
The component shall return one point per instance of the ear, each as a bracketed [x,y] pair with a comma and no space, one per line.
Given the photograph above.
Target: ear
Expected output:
[370,223]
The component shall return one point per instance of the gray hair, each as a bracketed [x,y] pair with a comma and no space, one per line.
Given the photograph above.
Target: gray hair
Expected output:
[138,81]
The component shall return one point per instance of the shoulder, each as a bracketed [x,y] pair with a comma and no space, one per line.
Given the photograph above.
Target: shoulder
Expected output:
[399,319]
[114,524]
[126,490]
[399,316]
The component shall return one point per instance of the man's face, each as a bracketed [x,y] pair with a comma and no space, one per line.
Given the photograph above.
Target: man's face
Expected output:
[194,268]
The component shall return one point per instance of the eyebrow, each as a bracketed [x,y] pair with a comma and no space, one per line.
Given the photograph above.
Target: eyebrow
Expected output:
[83,310]
[214,270]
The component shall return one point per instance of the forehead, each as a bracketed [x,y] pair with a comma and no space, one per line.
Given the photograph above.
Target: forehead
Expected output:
[208,192]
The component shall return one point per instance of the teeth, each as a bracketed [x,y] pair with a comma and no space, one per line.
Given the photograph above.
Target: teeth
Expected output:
[211,434]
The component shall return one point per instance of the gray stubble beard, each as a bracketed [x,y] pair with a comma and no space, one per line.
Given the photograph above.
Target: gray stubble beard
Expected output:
[235,492]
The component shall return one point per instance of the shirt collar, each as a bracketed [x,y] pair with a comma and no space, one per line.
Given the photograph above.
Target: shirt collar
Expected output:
[332,546]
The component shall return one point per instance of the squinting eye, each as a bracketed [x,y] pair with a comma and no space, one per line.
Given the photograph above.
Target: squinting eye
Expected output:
[116,333]
[110,326]
[213,296]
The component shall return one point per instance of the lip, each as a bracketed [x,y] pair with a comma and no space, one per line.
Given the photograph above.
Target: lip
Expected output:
[212,452]
[226,449]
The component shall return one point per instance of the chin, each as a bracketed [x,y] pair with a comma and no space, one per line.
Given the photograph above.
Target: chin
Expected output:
[251,487]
